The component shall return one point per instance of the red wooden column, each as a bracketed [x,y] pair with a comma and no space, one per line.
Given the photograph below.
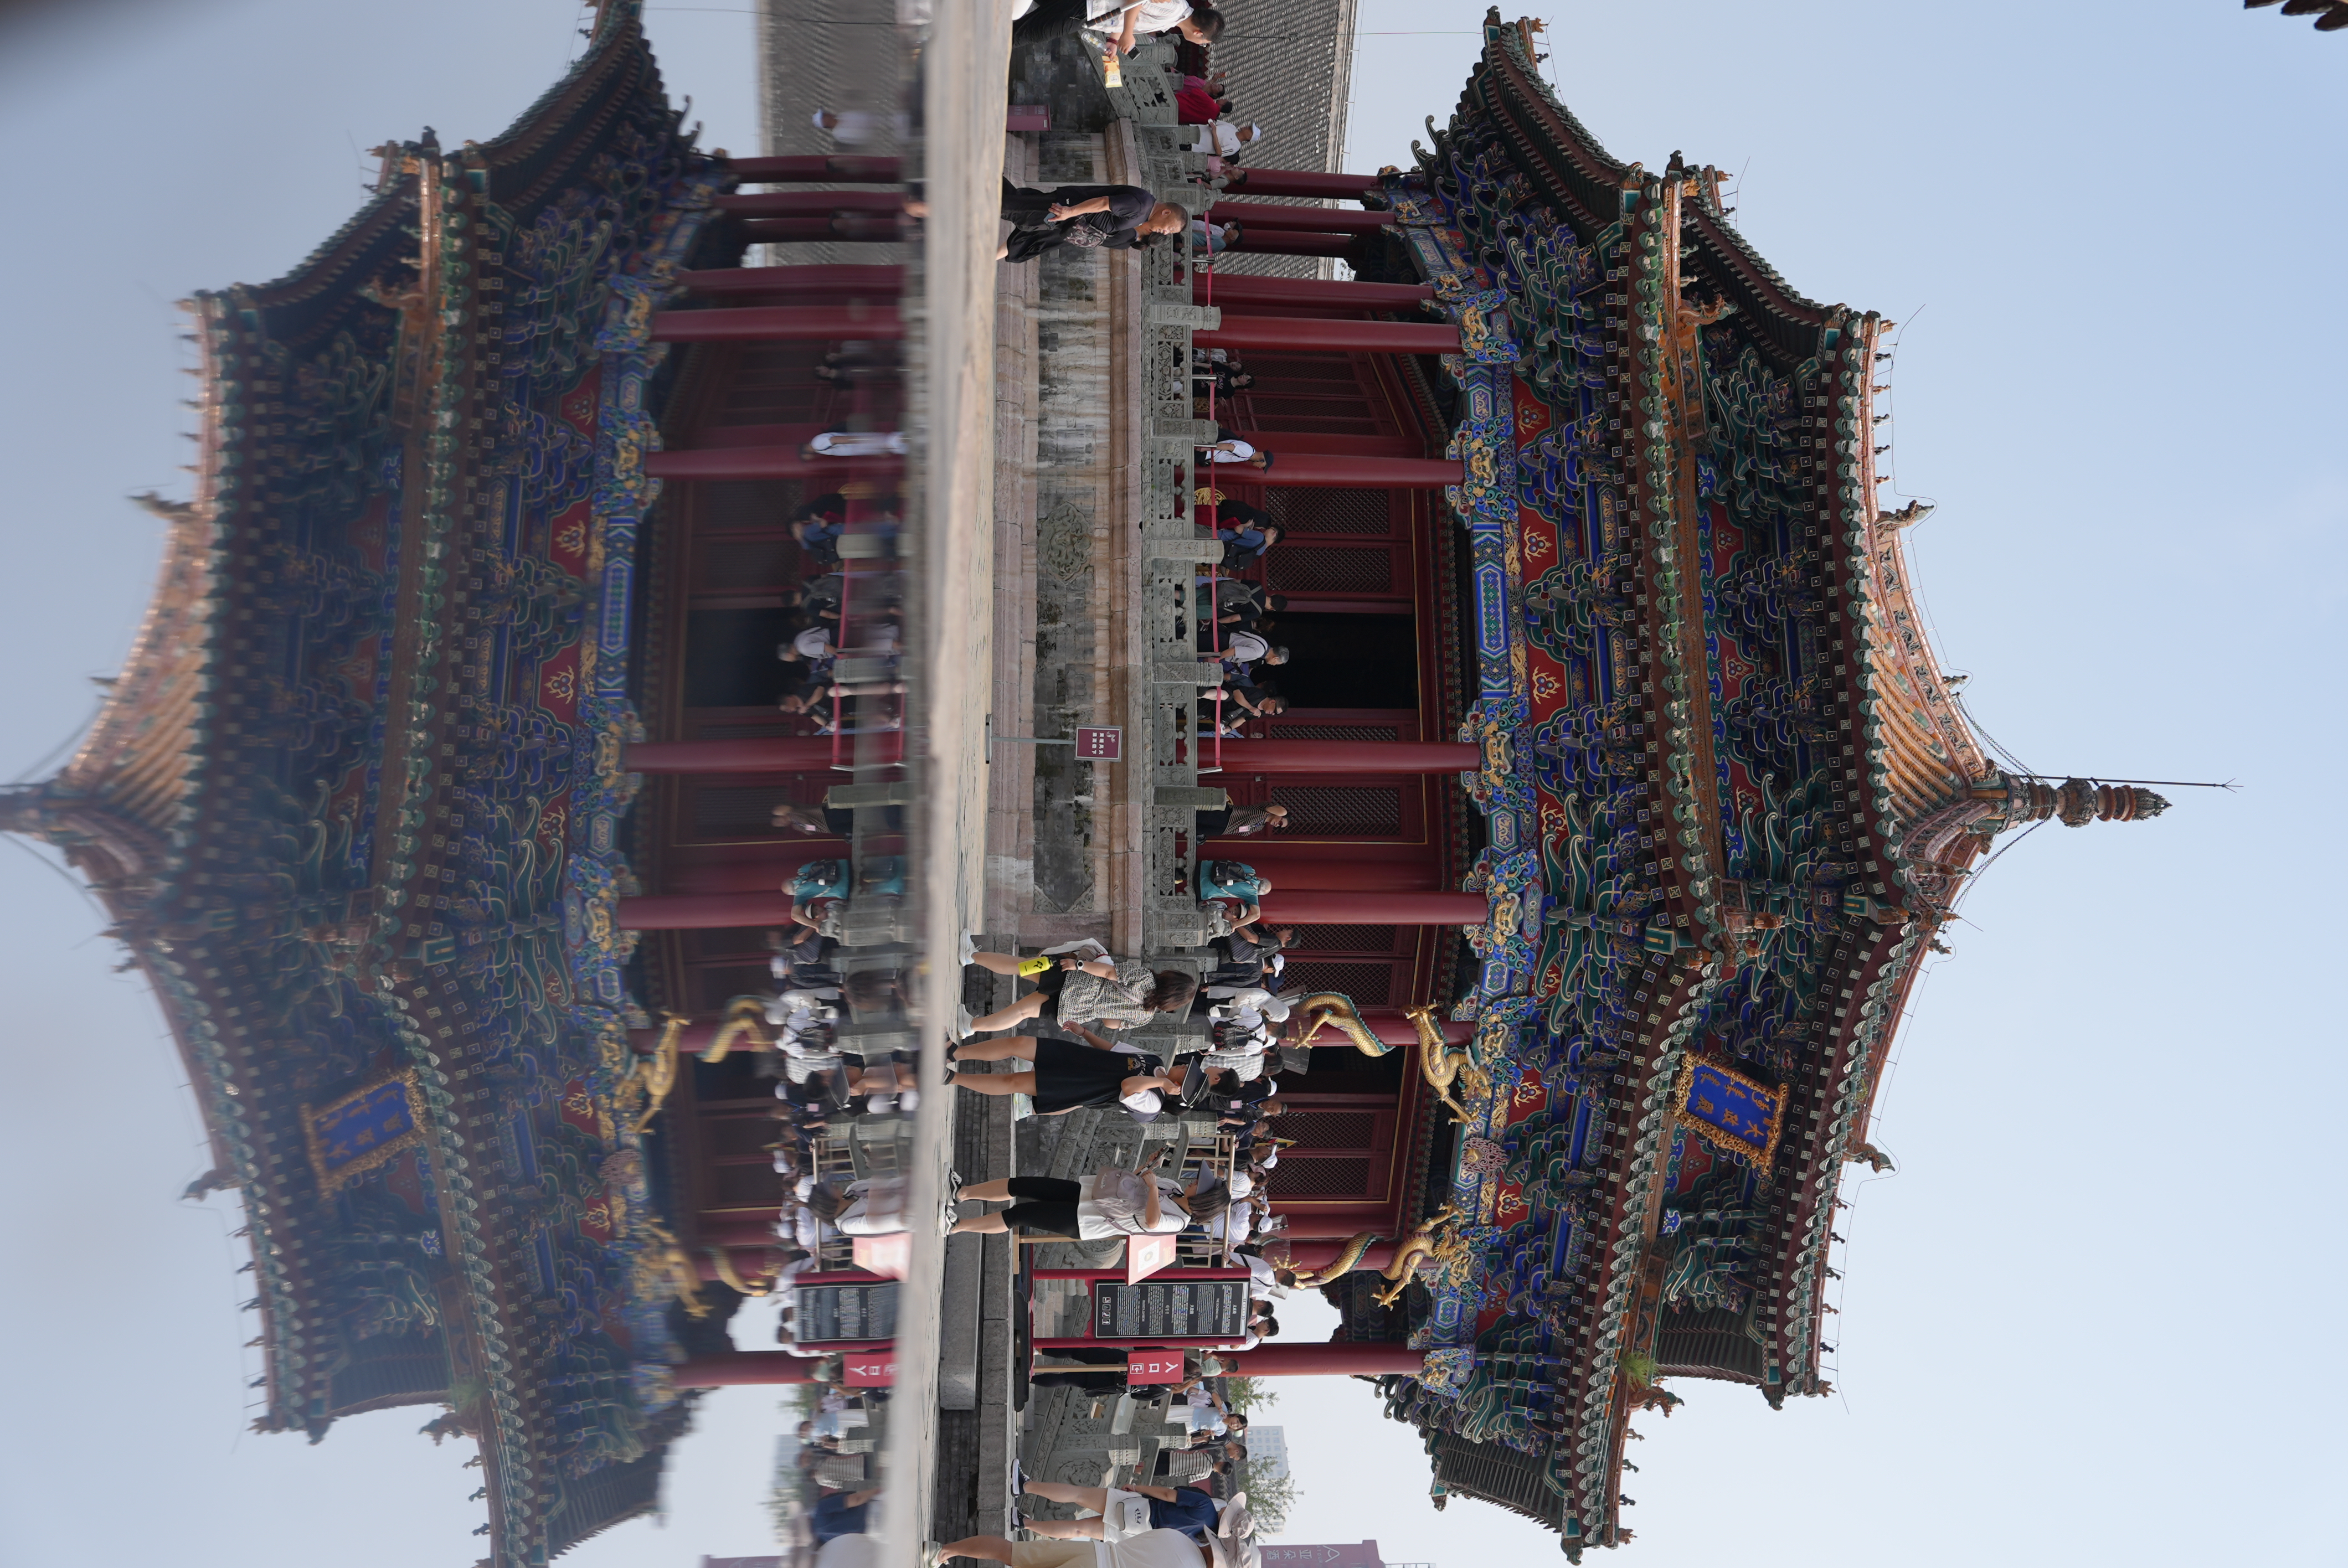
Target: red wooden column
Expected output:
[811,204]
[1263,241]
[705,911]
[1298,182]
[1234,290]
[778,462]
[763,754]
[846,169]
[1327,1361]
[781,323]
[1250,215]
[1315,332]
[738,1368]
[1309,908]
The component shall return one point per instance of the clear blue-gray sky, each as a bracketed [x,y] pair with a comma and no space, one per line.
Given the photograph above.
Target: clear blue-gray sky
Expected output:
[2111,230]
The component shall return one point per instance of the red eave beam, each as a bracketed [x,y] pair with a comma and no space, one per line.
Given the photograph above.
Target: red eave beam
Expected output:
[1317,757]
[1325,470]
[1301,182]
[1333,1359]
[1250,215]
[1283,242]
[738,1368]
[763,754]
[779,323]
[1335,333]
[1233,290]
[1311,907]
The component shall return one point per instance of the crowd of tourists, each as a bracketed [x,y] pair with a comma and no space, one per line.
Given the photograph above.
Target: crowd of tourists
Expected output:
[1076,1034]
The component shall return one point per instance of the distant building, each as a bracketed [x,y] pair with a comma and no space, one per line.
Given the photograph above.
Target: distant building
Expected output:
[1267,1453]
[1284,1554]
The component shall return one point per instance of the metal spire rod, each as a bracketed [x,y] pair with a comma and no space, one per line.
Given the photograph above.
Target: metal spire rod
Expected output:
[2172,783]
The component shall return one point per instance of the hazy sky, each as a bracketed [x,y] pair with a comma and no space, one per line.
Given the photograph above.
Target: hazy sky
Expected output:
[2112,233]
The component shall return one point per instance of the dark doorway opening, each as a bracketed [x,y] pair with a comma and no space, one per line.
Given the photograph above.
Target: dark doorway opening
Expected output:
[729,658]
[1346,660]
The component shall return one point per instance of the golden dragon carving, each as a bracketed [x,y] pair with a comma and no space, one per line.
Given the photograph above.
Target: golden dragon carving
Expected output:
[1334,1009]
[745,1020]
[1427,1241]
[1349,1258]
[1442,1063]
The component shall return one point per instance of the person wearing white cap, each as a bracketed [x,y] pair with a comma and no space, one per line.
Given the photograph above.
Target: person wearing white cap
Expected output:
[857,128]
[1231,1544]
[1225,139]
[856,443]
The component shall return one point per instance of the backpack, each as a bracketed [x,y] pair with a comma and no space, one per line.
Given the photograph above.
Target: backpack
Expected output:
[1232,880]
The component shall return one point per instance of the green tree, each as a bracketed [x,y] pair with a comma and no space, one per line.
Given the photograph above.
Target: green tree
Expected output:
[1269,1498]
[1249,1395]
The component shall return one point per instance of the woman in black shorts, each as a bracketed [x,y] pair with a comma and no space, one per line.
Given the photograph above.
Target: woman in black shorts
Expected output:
[1063,1208]
[1066,1075]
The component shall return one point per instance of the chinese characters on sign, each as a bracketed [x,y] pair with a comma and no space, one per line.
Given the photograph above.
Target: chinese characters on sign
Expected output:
[1100,745]
[1730,1111]
[353,1135]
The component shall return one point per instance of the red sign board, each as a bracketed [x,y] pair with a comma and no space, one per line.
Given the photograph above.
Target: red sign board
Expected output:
[868,1368]
[1146,1255]
[886,1255]
[1153,1366]
[1100,745]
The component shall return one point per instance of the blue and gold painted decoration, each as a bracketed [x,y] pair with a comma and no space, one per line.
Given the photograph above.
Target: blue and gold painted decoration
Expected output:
[1729,1111]
[1584,839]
[351,1136]
[401,847]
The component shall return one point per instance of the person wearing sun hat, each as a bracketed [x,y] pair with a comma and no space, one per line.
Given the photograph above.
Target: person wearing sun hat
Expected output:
[1231,1544]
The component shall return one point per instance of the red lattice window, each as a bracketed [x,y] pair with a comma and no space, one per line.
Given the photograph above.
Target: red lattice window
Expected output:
[1308,1178]
[736,809]
[1303,511]
[742,1187]
[1331,1130]
[713,988]
[736,1137]
[1345,938]
[1326,810]
[728,945]
[1330,733]
[737,565]
[1311,416]
[1369,985]
[1331,572]
[724,505]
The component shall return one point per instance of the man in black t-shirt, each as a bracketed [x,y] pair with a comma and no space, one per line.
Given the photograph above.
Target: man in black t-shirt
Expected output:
[1110,217]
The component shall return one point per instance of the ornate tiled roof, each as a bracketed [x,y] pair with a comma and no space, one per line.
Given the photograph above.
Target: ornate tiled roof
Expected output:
[1729,797]
[354,799]
[1290,69]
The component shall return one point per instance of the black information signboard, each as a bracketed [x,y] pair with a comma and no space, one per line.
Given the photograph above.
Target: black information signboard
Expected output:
[845,1314]
[1170,1310]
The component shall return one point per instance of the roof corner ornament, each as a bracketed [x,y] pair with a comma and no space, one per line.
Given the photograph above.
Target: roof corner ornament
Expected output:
[2074,802]
[1906,516]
